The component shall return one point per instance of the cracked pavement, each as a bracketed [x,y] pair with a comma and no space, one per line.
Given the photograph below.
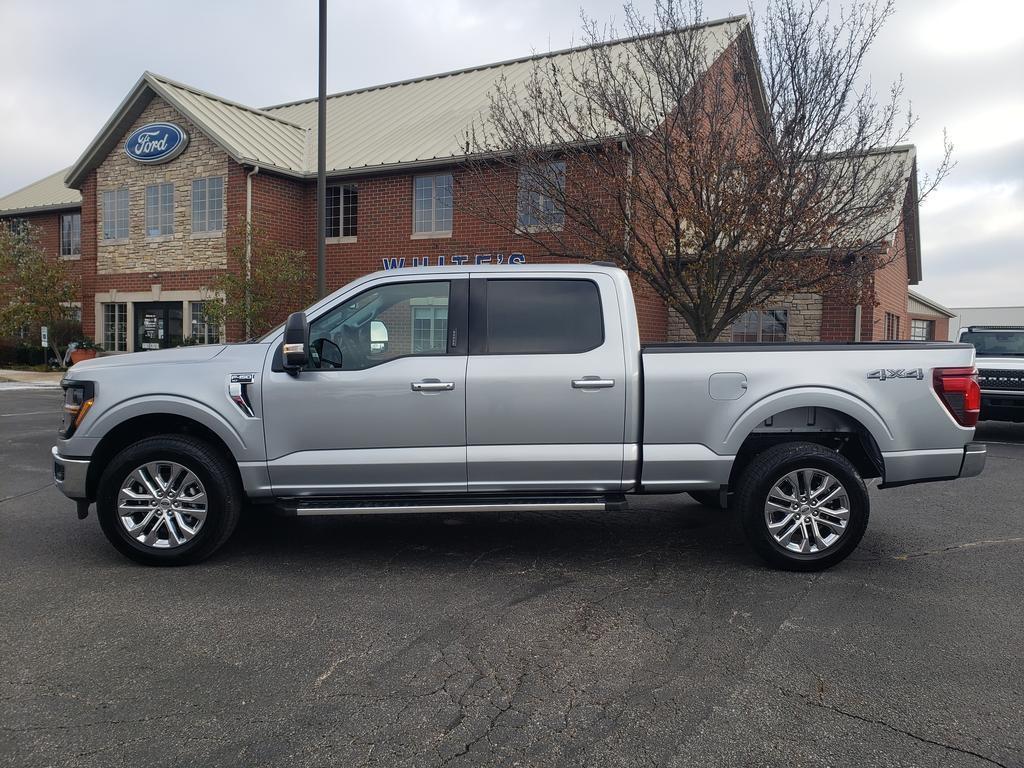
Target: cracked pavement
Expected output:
[644,638]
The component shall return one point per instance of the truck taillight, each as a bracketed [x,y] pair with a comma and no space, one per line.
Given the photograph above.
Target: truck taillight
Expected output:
[958,390]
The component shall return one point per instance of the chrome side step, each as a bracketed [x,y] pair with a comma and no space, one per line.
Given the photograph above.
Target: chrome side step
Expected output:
[312,507]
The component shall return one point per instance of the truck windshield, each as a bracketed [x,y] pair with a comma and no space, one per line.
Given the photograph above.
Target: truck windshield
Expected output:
[995,343]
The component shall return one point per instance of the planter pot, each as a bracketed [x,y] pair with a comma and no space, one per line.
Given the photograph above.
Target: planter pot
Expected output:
[82,354]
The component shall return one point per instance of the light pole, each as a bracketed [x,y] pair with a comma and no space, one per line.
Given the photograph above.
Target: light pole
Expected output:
[321,161]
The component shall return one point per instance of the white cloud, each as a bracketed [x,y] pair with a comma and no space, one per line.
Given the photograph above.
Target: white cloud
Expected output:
[966,28]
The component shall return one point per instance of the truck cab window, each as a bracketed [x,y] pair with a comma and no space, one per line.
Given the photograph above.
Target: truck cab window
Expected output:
[381,324]
[543,317]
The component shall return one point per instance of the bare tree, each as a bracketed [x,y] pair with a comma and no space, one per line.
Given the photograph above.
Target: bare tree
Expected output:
[276,282]
[721,172]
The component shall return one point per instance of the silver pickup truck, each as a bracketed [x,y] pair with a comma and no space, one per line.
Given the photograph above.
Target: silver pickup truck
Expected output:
[496,389]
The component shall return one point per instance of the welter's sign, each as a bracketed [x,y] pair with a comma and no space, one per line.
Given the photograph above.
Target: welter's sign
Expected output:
[455,261]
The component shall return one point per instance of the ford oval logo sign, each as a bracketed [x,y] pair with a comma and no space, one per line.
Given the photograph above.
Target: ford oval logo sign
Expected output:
[156,143]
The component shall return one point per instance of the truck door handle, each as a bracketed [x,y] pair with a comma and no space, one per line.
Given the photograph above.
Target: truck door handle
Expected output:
[592,382]
[432,385]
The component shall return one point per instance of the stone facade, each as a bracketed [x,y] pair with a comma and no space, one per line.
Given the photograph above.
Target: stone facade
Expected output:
[804,318]
[183,250]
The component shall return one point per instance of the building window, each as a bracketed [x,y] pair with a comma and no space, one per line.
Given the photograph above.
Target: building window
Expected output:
[922,330]
[71,235]
[892,326]
[429,328]
[208,204]
[432,203]
[764,325]
[203,330]
[115,327]
[18,226]
[342,211]
[541,189]
[159,210]
[115,214]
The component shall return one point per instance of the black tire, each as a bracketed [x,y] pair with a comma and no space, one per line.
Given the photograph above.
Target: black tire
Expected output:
[219,479]
[711,499]
[770,467]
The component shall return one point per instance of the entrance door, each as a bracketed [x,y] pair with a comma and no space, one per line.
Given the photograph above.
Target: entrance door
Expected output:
[158,325]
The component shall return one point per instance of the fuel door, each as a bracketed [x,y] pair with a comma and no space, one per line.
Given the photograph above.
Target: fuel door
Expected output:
[727,386]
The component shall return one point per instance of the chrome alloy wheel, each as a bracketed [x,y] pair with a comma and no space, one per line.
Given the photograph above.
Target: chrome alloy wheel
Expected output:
[162,504]
[807,511]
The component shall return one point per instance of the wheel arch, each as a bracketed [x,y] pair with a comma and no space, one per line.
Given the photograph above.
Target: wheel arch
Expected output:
[138,427]
[834,420]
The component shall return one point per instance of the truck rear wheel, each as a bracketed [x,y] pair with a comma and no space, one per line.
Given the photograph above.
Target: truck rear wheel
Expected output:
[802,507]
[169,500]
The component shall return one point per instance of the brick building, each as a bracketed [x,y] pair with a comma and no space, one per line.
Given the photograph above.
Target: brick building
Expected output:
[146,238]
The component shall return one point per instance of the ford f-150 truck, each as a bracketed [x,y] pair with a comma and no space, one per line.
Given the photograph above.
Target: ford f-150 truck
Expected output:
[489,388]
[1000,351]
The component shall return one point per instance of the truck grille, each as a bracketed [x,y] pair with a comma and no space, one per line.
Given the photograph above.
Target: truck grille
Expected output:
[989,378]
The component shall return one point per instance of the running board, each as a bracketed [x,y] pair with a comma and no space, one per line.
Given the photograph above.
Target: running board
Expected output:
[311,507]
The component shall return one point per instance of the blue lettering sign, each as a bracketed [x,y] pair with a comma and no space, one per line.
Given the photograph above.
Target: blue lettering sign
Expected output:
[399,262]
[156,143]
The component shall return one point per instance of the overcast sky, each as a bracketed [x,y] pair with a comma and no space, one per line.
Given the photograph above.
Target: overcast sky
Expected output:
[68,64]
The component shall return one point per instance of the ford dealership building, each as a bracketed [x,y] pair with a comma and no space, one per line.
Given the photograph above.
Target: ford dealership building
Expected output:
[155,207]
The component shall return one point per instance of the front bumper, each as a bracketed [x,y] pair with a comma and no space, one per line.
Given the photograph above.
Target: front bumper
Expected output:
[70,475]
[1002,406]
[974,459]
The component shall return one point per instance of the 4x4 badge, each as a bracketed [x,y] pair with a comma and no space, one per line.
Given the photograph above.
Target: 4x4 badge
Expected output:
[897,373]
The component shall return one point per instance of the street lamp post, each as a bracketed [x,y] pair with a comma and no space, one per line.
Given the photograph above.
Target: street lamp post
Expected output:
[321,161]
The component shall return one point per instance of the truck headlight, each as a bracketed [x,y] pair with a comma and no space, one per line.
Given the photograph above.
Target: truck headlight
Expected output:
[78,399]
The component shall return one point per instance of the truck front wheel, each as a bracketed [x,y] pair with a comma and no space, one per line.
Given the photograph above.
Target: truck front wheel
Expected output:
[169,500]
[803,507]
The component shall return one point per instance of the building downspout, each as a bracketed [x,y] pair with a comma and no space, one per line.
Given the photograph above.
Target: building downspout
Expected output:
[248,249]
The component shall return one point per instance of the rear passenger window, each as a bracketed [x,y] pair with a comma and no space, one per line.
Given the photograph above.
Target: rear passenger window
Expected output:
[543,316]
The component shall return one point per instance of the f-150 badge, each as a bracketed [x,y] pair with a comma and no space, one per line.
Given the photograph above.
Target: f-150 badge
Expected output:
[897,373]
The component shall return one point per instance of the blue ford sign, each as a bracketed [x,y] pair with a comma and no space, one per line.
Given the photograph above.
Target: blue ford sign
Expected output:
[156,143]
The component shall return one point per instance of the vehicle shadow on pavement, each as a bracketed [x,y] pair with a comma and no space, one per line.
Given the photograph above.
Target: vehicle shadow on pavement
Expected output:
[664,528]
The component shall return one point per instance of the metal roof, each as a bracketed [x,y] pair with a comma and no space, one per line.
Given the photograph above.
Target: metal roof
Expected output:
[409,122]
[47,194]
[247,134]
[425,119]
[923,305]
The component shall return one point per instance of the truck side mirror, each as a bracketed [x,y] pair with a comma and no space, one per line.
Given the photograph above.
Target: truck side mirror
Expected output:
[296,336]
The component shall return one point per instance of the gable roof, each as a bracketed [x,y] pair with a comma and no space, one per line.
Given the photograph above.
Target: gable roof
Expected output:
[248,135]
[47,194]
[417,121]
[926,305]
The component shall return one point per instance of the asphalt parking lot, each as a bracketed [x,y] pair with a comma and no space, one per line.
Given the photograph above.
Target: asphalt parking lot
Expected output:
[651,637]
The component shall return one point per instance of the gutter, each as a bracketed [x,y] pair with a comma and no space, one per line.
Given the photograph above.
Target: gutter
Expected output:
[248,249]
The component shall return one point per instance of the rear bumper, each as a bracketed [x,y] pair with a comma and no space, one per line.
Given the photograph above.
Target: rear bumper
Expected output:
[974,459]
[928,466]
[70,475]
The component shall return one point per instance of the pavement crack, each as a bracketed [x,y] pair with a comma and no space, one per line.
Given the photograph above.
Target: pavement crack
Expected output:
[958,547]
[816,702]
[26,493]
